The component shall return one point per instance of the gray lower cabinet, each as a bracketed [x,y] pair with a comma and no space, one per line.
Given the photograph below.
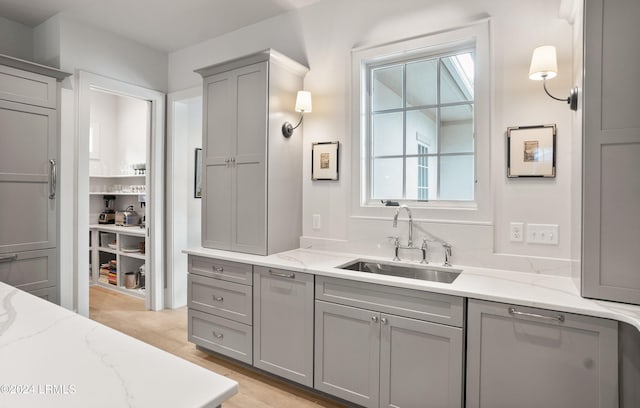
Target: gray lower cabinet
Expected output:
[221,308]
[378,359]
[283,323]
[32,271]
[526,357]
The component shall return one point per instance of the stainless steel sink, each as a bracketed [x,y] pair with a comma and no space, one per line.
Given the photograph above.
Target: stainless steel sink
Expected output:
[427,273]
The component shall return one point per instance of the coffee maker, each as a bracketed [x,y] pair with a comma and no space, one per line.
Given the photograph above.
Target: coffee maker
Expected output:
[108,216]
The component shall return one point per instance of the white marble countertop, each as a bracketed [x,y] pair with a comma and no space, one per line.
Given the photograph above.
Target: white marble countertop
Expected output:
[52,357]
[519,288]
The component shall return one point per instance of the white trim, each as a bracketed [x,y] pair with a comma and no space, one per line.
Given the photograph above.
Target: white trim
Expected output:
[85,81]
[452,211]
[177,211]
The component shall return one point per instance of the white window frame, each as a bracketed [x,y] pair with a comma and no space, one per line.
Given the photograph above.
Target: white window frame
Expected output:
[477,211]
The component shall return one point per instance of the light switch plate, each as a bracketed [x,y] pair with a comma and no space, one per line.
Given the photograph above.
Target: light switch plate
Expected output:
[546,234]
[516,232]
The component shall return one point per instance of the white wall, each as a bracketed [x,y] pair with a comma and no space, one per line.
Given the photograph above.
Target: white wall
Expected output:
[322,36]
[16,40]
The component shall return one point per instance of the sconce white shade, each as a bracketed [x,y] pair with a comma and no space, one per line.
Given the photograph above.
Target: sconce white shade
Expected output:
[303,102]
[544,64]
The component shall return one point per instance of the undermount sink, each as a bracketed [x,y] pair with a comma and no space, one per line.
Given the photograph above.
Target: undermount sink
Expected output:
[427,273]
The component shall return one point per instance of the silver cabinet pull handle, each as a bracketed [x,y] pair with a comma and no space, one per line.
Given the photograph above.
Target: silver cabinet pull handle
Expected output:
[384,320]
[374,319]
[8,258]
[218,298]
[289,275]
[514,312]
[53,178]
[217,335]
[218,268]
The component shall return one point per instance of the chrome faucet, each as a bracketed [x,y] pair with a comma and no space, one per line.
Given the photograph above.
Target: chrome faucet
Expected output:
[396,240]
[395,223]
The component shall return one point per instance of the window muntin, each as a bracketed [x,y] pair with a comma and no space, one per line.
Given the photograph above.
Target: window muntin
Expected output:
[421,128]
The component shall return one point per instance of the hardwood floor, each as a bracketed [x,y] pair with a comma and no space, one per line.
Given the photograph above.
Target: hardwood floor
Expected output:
[167,330]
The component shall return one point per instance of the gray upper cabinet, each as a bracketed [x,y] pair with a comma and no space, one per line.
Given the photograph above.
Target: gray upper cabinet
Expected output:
[252,175]
[525,357]
[611,186]
[28,176]
[283,323]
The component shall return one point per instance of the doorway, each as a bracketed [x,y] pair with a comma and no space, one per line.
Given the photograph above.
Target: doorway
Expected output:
[125,181]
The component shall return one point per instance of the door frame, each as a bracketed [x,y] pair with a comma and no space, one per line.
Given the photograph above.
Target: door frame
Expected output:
[179,183]
[85,81]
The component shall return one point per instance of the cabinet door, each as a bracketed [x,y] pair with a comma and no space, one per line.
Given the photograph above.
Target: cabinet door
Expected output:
[249,183]
[283,324]
[611,186]
[420,364]
[347,353]
[27,213]
[524,357]
[31,270]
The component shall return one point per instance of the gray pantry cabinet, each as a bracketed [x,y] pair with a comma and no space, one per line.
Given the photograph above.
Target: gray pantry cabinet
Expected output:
[529,358]
[380,346]
[28,176]
[252,174]
[283,323]
[611,153]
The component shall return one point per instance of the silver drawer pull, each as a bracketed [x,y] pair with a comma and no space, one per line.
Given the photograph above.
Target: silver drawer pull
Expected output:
[218,268]
[289,275]
[8,258]
[217,335]
[218,298]
[514,312]
[53,178]
[374,319]
[384,320]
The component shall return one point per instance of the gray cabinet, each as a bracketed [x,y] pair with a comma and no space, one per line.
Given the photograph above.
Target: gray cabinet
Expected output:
[252,175]
[611,153]
[377,359]
[525,357]
[220,307]
[28,188]
[283,323]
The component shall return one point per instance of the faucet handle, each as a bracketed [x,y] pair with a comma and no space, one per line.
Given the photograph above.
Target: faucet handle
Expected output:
[424,244]
[396,240]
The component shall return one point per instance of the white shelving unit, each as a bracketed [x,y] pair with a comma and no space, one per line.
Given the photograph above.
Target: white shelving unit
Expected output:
[122,244]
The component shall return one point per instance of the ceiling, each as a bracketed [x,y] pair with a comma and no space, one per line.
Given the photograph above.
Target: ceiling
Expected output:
[165,25]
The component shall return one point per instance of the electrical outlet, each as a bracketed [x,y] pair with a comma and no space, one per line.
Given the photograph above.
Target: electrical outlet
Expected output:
[316,221]
[546,234]
[517,232]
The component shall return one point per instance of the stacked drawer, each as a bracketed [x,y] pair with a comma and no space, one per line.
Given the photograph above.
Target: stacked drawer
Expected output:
[220,306]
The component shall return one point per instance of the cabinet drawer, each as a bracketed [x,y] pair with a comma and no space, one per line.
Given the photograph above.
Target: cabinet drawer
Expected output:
[27,87]
[433,307]
[221,335]
[29,270]
[50,294]
[225,299]
[219,269]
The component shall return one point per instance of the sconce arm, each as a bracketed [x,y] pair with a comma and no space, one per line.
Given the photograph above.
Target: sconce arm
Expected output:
[544,85]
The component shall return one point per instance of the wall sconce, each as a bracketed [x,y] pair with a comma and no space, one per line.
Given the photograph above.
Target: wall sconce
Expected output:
[544,65]
[303,105]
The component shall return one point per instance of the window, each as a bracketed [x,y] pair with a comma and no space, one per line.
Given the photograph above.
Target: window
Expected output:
[421,126]
[420,133]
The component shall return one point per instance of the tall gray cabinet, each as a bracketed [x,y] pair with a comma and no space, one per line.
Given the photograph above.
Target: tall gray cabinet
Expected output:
[611,162]
[252,174]
[28,176]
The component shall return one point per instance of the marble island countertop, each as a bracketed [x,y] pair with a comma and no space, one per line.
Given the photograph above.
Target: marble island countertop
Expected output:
[52,357]
[520,288]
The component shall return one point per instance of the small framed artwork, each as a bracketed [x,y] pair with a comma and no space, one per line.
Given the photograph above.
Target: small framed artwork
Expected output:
[197,185]
[531,151]
[324,160]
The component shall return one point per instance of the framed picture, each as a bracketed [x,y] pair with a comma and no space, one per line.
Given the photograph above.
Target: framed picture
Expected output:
[324,160]
[197,185]
[531,151]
